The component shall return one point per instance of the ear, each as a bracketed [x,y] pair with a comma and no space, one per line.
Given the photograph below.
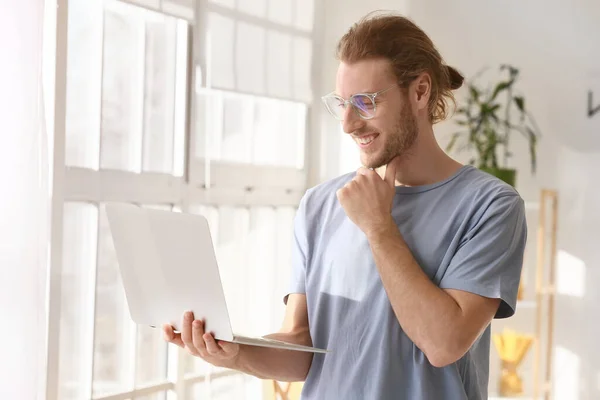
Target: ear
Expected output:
[421,91]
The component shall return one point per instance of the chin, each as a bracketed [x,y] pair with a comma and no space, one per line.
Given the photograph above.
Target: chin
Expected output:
[372,160]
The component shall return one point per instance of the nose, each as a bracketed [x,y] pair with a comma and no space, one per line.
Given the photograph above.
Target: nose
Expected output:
[352,122]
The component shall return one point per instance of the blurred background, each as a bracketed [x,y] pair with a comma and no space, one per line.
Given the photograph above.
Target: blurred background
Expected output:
[213,107]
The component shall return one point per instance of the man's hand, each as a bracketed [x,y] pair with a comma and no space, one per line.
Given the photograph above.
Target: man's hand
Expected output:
[202,344]
[367,199]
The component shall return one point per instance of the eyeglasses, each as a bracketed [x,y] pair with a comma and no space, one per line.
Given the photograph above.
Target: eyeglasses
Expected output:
[363,104]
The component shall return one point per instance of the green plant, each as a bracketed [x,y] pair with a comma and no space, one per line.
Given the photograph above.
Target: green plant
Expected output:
[487,122]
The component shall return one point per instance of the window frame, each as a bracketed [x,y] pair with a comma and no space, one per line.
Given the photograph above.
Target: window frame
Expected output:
[233,184]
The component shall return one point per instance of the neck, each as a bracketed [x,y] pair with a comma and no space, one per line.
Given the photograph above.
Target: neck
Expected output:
[425,162]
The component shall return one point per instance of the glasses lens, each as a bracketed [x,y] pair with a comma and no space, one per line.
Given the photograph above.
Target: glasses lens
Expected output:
[336,106]
[364,105]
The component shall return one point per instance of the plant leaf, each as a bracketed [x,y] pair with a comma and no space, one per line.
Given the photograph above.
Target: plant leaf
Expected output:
[532,148]
[474,92]
[500,87]
[520,102]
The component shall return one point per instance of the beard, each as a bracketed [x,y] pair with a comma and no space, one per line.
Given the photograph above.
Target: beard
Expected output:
[397,143]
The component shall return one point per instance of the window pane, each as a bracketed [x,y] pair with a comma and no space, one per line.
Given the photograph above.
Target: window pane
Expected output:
[304,14]
[80,232]
[279,64]
[159,96]
[122,89]
[134,87]
[237,130]
[165,94]
[232,256]
[267,137]
[248,129]
[152,4]
[155,396]
[181,99]
[221,40]
[279,133]
[224,3]
[253,7]
[280,11]
[260,271]
[151,358]
[283,262]
[302,61]
[227,388]
[179,8]
[114,345]
[84,63]
[207,123]
[250,58]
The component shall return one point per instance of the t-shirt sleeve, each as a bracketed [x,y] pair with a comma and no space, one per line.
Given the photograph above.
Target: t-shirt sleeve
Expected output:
[299,257]
[490,258]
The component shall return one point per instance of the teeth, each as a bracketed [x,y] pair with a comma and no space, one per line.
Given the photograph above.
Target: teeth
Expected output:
[365,140]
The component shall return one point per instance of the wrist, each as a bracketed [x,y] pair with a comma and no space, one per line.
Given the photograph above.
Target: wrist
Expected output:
[383,230]
[235,362]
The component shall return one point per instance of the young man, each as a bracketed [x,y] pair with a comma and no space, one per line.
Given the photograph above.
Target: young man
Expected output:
[399,267]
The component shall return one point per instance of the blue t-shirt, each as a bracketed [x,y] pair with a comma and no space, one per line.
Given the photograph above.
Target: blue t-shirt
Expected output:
[467,232]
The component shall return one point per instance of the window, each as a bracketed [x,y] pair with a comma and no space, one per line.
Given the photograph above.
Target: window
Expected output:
[253,96]
[187,108]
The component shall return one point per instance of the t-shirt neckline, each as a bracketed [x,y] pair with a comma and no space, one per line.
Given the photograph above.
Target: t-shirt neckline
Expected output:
[424,188]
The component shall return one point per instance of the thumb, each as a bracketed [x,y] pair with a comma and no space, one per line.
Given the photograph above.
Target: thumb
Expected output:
[390,173]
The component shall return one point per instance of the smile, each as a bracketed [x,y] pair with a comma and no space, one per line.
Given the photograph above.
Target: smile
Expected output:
[366,140]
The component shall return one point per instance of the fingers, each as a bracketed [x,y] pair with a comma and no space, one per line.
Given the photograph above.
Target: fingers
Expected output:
[211,345]
[227,347]
[197,337]
[172,337]
[194,338]
[187,335]
[363,171]
[390,173]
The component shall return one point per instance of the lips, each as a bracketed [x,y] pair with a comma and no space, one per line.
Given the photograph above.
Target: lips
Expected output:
[366,140]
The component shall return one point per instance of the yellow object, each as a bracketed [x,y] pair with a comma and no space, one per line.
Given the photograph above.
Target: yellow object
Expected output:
[274,390]
[511,347]
[520,293]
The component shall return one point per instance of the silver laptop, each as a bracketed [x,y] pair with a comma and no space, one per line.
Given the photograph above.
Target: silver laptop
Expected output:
[168,266]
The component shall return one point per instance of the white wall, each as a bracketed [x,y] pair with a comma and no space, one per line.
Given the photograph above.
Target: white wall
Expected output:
[24,204]
[556,45]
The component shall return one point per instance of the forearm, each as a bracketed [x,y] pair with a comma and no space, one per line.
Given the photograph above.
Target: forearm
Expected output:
[428,315]
[276,364]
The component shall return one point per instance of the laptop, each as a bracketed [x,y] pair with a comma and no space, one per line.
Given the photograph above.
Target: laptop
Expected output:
[168,266]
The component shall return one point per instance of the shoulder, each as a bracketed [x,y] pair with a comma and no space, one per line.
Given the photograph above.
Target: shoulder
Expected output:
[486,196]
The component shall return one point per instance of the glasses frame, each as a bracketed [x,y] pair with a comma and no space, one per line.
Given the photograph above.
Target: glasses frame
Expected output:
[350,101]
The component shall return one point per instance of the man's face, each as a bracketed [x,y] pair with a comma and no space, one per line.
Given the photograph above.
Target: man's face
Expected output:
[393,130]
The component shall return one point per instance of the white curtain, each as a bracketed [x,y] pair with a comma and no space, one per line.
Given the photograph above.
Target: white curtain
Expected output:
[24,202]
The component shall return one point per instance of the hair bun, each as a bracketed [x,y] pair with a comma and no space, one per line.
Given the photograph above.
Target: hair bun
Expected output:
[455,78]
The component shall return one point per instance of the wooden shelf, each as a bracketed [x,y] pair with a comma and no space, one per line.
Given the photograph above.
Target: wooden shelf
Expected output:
[542,300]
